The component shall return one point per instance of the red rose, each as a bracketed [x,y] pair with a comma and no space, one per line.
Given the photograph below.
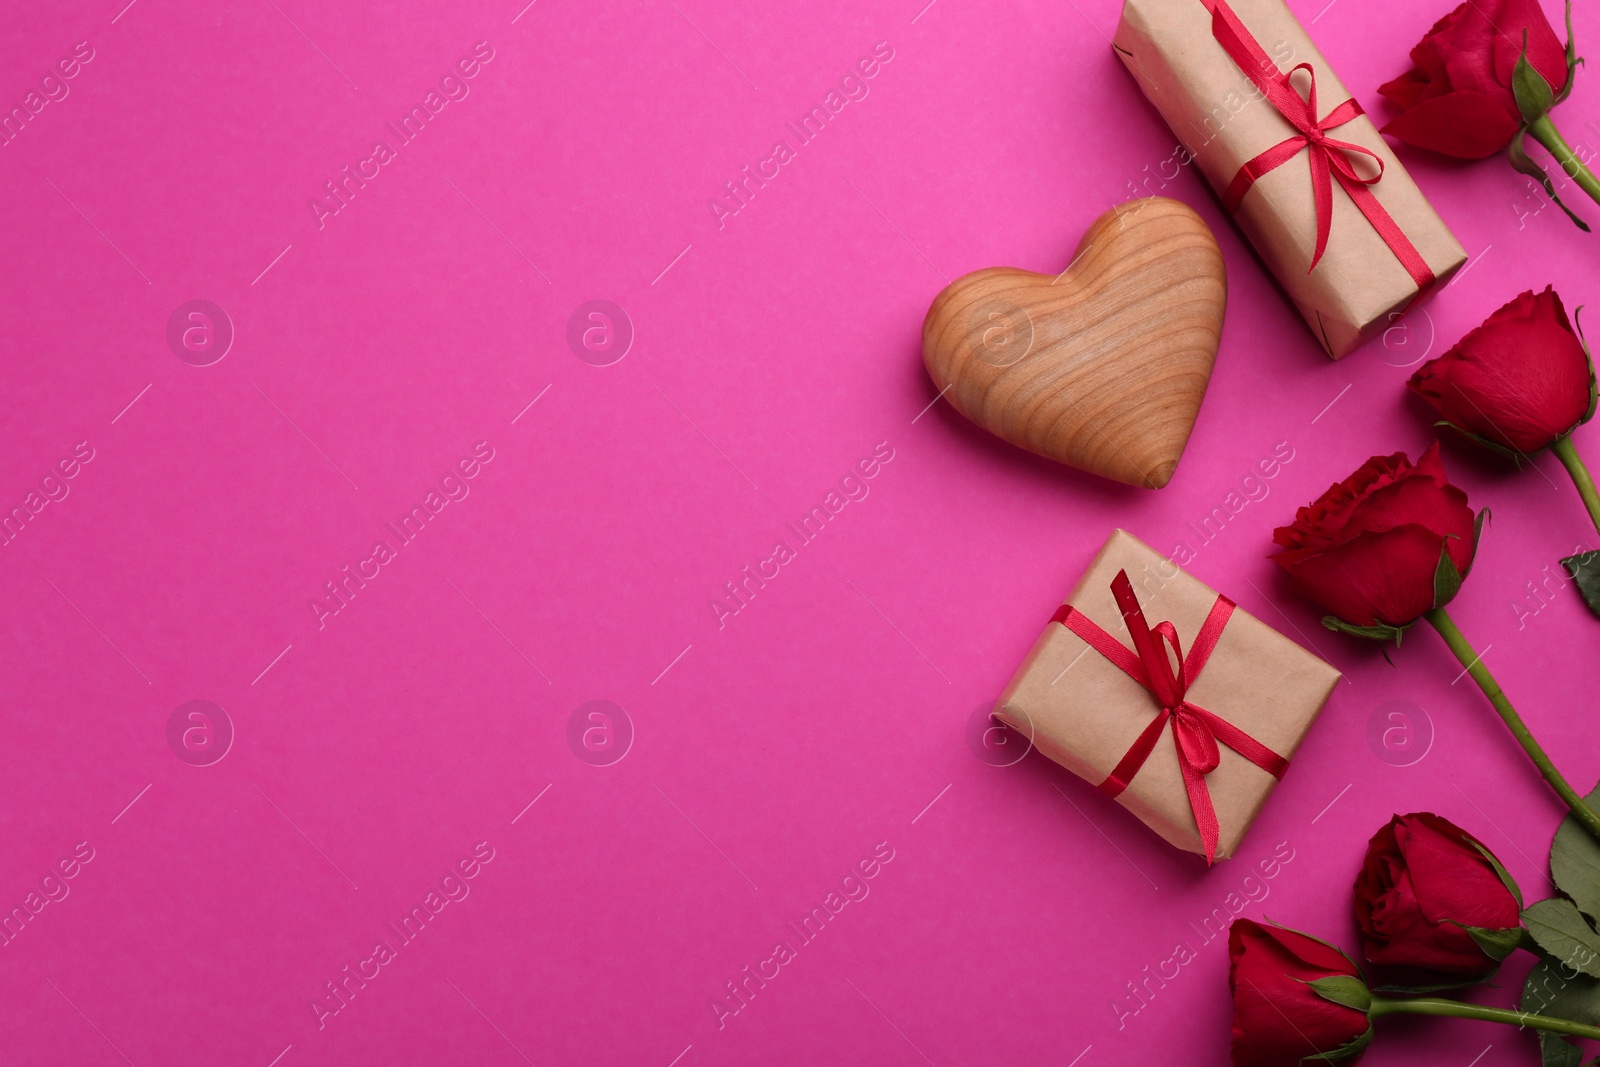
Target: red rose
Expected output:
[1522,380]
[1279,1018]
[1424,886]
[1457,100]
[1368,549]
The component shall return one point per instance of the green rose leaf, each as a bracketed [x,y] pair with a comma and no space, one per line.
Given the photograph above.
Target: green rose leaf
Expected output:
[1585,571]
[1561,930]
[1552,989]
[1343,989]
[1534,95]
[1575,862]
[1557,1051]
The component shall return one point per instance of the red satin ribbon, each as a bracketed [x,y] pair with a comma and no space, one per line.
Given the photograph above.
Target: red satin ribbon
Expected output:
[1195,730]
[1329,158]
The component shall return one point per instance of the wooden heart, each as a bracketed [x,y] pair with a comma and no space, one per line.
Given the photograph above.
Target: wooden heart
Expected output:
[1101,367]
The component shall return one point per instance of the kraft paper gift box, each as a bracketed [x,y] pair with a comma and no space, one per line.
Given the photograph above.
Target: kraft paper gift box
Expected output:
[1190,57]
[1086,713]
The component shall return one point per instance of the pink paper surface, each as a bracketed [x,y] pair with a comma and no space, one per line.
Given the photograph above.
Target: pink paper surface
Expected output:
[765,754]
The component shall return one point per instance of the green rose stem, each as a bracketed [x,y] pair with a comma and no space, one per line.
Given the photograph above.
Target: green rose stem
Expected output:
[1519,729]
[1567,453]
[1544,131]
[1440,1006]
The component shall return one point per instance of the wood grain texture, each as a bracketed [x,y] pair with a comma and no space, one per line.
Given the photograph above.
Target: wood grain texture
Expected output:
[1102,367]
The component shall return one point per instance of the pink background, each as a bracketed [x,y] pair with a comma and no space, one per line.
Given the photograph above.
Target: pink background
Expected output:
[770,755]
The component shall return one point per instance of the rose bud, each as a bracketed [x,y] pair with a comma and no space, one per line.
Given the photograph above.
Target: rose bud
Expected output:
[1458,98]
[1520,382]
[1435,908]
[1369,550]
[1295,999]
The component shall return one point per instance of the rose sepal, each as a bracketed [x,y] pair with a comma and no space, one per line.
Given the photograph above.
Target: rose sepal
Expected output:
[1594,384]
[1535,96]
[1522,163]
[1378,632]
[1446,578]
[1574,61]
[1496,944]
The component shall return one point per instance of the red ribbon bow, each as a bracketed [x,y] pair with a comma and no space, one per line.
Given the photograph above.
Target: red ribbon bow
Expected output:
[1328,157]
[1195,730]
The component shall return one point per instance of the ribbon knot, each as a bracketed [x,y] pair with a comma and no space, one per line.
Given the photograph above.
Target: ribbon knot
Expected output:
[1328,157]
[1197,733]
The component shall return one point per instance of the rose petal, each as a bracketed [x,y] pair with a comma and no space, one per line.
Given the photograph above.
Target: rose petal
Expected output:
[1545,50]
[1374,578]
[1460,124]
[1454,882]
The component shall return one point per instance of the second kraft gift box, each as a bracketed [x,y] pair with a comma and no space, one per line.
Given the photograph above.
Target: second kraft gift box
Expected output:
[1149,684]
[1296,162]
